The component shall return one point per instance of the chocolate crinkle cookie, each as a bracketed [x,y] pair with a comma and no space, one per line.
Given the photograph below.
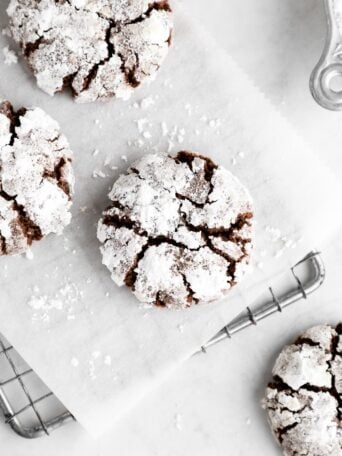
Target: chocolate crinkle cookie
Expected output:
[304,401]
[178,230]
[98,48]
[36,178]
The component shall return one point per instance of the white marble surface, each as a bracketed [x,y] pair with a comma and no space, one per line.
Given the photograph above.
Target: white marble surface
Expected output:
[211,406]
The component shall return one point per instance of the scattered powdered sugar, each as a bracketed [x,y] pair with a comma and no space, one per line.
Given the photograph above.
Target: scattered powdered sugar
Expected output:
[63,302]
[274,233]
[178,422]
[280,241]
[91,369]
[29,254]
[108,360]
[140,124]
[74,362]
[10,57]
[44,303]
[180,328]
[98,173]
[164,128]
[188,108]
[173,135]
[6,32]
[215,123]
[147,102]
[147,135]
[96,362]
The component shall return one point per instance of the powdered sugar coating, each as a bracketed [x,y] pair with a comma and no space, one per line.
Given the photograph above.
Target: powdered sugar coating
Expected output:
[120,238]
[36,178]
[304,400]
[100,48]
[167,255]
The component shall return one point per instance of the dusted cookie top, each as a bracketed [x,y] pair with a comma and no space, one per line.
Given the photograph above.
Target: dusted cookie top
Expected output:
[178,231]
[304,399]
[36,178]
[100,48]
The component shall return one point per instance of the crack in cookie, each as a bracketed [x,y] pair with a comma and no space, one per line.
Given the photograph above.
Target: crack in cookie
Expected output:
[58,174]
[97,48]
[304,400]
[179,230]
[36,178]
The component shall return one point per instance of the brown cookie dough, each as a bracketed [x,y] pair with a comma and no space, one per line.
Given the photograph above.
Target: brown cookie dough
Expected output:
[36,178]
[178,231]
[98,48]
[304,401]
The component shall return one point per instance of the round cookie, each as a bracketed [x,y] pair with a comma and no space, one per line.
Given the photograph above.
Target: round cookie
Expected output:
[98,48]
[178,230]
[36,178]
[304,399]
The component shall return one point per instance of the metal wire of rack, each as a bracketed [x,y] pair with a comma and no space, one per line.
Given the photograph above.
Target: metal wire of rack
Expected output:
[32,410]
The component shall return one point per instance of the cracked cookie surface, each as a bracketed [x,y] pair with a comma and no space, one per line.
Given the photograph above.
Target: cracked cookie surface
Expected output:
[178,231]
[98,48]
[304,399]
[36,178]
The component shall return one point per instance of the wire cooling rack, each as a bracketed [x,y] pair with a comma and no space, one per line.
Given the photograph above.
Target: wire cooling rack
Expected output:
[32,410]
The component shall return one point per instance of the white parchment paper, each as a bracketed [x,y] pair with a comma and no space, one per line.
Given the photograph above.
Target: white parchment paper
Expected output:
[90,341]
